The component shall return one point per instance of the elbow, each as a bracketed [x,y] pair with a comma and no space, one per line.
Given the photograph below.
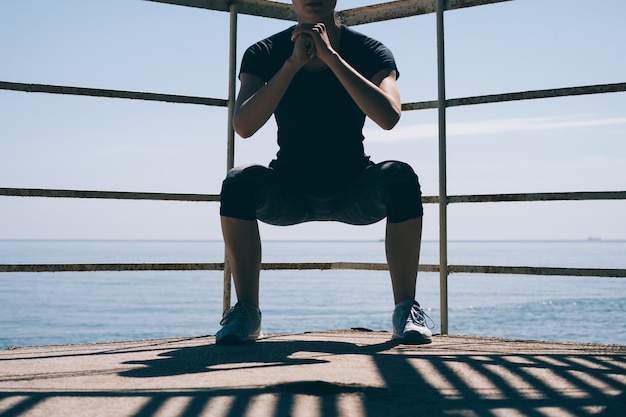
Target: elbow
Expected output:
[244,134]
[242,130]
[391,121]
[391,124]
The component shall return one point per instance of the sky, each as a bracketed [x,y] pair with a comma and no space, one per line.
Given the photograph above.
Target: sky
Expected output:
[87,143]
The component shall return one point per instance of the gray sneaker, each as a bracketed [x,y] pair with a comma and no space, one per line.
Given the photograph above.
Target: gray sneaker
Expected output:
[409,324]
[242,324]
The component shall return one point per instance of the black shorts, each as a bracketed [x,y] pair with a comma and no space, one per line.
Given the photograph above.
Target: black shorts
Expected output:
[387,189]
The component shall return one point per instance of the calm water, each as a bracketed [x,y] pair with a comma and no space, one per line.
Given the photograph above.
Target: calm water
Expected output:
[59,308]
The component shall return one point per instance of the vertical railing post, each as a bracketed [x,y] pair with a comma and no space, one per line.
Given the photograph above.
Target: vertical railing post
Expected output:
[230,148]
[443,193]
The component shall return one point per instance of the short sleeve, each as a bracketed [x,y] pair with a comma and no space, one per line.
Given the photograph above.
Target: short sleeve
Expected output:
[369,56]
[266,57]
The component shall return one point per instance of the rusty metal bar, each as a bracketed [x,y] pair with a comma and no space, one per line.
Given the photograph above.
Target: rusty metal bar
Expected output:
[125,195]
[323,266]
[443,192]
[357,16]
[403,8]
[106,195]
[98,92]
[537,94]
[517,96]
[536,270]
[232,87]
[218,5]
[110,267]
[104,267]
[260,8]
[563,196]
[265,8]
[230,148]
[420,105]
[478,198]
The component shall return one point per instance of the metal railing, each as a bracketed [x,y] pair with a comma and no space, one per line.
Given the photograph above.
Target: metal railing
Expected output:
[361,15]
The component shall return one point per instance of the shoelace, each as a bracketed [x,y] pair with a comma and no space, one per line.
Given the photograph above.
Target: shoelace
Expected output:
[419,316]
[238,312]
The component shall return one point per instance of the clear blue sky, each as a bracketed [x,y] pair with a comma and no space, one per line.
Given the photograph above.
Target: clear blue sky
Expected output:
[69,142]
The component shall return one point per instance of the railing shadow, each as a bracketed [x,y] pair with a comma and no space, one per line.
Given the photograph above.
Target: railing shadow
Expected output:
[405,381]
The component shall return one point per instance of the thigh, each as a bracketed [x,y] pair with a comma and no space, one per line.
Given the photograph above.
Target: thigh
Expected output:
[257,192]
[387,189]
[280,203]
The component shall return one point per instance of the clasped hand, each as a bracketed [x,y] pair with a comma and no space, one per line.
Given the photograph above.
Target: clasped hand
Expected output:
[311,41]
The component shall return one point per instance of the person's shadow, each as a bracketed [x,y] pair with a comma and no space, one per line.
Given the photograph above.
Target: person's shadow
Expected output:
[267,353]
[404,381]
[264,354]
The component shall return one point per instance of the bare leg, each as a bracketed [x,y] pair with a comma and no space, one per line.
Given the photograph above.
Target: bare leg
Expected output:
[402,245]
[243,250]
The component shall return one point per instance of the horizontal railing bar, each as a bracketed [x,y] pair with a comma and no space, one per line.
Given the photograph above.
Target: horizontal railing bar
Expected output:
[538,94]
[112,267]
[98,92]
[357,16]
[260,8]
[124,195]
[324,266]
[116,195]
[103,267]
[522,95]
[420,105]
[368,266]
[564,196]
[479,198]
[219,266]
[537,270]
[402,8]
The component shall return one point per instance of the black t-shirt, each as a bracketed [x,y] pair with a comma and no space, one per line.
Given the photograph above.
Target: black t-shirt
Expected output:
[319,125]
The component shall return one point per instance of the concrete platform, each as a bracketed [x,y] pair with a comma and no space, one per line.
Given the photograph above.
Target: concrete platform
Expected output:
[347,373]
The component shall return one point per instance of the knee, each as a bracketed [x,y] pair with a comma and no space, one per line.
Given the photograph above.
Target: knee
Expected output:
[397,172]
[402,192]
[238,197]
[245,173]
[244,178]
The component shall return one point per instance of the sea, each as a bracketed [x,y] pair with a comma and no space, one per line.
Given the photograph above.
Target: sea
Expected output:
[87,307]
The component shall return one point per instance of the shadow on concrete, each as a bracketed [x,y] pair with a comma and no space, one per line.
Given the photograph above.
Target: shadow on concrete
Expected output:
[265,354]
[415,382]
[530,385]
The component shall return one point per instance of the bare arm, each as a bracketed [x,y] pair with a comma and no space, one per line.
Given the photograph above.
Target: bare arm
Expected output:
[378,98]
[257,100]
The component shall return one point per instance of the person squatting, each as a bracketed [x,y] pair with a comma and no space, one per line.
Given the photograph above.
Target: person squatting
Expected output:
[320,80]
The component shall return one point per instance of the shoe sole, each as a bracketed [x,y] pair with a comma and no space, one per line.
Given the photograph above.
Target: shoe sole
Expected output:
[234,340]
[414,338]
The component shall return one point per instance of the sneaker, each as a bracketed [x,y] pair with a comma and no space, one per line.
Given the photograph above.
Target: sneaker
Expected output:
[241,325]
[409,324]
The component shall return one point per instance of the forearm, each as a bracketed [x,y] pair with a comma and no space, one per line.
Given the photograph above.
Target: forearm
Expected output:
[382,107]
[254,111]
